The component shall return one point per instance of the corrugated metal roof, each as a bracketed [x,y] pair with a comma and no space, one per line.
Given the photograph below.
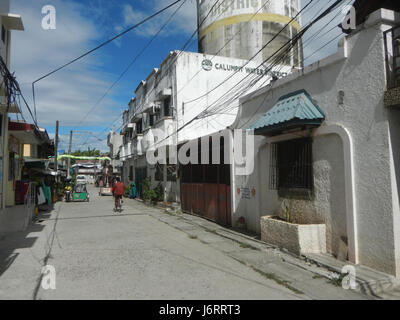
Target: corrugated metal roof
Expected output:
[294,106]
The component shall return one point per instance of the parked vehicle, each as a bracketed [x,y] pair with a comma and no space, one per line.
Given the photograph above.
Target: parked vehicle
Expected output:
[81,179]
[105,191]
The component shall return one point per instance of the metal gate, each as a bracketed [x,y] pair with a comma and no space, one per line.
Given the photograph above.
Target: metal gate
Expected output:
[211,201]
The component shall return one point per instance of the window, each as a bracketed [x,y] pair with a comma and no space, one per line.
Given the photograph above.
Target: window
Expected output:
[3,34]
[139,127]
[167,107]
[152,119]
[291,165]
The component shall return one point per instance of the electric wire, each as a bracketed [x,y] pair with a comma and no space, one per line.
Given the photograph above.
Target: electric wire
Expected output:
[97,48]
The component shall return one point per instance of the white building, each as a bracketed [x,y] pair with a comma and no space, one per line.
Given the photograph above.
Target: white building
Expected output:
[171,99]
[114,142]
[334,158]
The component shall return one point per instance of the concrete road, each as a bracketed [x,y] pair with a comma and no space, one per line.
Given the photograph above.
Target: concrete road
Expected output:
[142,253]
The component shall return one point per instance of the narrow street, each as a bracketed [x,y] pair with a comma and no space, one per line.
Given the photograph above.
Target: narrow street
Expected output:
[142,253]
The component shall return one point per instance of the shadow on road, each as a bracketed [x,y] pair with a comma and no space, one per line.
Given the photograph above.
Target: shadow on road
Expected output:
[12,242]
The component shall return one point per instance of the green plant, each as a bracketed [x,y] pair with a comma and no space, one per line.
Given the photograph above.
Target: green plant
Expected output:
[147,191]
[158,193]
[127,191]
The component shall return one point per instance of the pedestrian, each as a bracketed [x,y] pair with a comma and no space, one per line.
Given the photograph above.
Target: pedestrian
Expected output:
[133,191]
[118,192]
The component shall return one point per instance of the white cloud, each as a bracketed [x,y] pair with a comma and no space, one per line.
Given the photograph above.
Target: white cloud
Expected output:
[68,95]
[184,22]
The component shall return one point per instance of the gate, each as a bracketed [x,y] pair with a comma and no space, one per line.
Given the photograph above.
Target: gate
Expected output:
[211,201]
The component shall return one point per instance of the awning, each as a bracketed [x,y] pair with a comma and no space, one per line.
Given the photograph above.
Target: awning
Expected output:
[12,21]
[153,108]
[35,163]
[24,132]
[164,93]
[294,110]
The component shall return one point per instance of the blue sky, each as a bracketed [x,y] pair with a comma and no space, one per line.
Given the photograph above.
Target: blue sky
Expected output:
[81,25]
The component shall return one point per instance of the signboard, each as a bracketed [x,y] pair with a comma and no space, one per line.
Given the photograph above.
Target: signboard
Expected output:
[208,65]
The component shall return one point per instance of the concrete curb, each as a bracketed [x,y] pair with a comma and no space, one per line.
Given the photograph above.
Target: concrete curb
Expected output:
[368,281]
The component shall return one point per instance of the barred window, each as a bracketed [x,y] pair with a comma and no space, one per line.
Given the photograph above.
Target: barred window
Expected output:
[291,165]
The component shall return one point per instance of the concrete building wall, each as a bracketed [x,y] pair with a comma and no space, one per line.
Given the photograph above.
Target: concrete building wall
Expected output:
[194,82]
[357,73]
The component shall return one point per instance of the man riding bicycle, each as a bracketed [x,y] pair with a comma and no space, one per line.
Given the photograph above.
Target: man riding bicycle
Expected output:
[118,192]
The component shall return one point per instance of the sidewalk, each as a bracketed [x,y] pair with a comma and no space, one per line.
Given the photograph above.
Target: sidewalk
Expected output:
[297,274]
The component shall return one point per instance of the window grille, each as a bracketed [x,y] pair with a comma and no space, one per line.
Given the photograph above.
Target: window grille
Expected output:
[291,165]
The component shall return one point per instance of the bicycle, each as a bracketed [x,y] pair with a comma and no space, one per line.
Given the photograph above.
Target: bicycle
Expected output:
[119,205]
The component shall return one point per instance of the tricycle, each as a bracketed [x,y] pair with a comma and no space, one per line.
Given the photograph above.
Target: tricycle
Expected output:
[80,193]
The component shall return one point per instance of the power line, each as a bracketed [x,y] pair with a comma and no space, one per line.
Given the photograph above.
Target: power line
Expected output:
[256,53]
[98,47]
[190,39]
[285,48]
[254,56]
[295,39]
[257,78]
[196,117]
[132,62]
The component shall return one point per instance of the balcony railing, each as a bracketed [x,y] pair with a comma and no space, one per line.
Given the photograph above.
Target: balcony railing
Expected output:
[392,53]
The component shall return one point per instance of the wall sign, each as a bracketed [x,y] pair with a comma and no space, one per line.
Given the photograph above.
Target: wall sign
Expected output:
[208,65]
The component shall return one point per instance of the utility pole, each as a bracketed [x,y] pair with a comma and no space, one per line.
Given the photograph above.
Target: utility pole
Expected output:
[56,150]
[69,153]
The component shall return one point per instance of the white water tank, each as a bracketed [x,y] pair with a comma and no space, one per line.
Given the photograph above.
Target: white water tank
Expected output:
[240,28]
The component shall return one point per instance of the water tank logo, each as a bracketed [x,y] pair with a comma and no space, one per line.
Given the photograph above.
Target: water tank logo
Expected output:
[207,65]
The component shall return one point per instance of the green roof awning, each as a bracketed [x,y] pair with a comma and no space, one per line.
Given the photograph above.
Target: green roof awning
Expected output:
[293,110]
